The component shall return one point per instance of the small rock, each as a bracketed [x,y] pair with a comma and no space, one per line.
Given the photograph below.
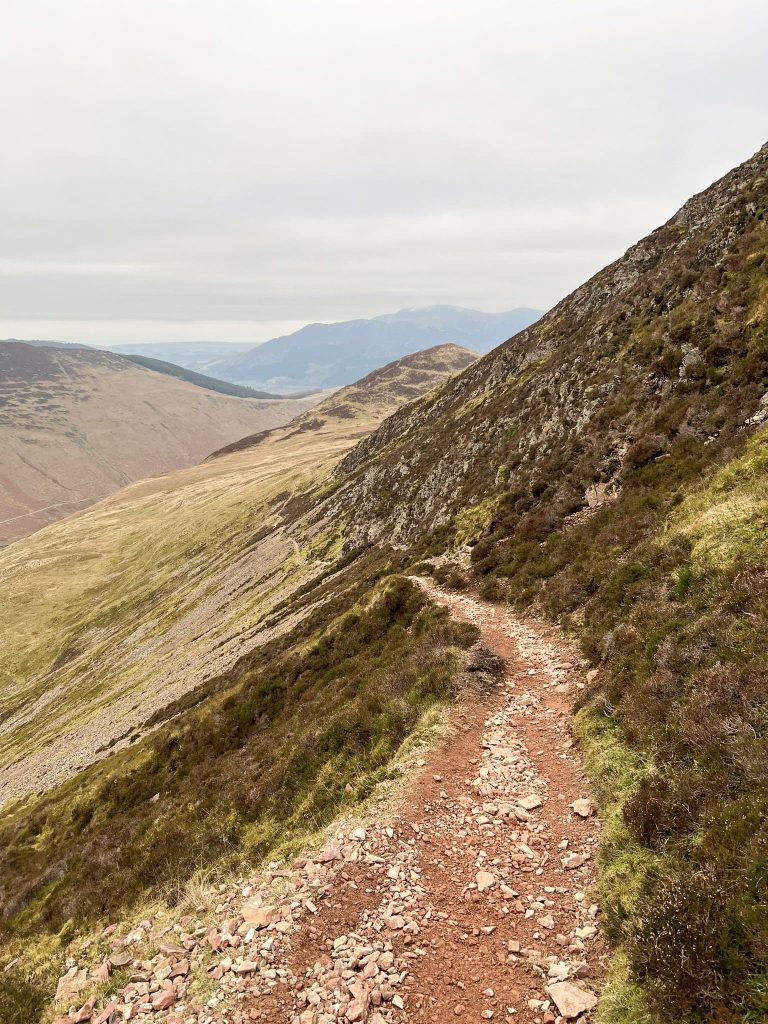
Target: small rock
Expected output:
[164,999]
[107,1012]
[74,981]
[258,916]
[573,860]
[570,1000]
[485,880]
[583,807]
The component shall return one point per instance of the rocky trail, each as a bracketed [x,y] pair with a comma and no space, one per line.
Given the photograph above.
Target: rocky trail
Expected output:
[465,896]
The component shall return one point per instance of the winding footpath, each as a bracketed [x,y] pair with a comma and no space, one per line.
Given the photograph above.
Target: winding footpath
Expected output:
[466,897]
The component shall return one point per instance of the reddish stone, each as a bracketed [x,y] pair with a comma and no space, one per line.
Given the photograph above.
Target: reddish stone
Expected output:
[106,1013]
[163,1000]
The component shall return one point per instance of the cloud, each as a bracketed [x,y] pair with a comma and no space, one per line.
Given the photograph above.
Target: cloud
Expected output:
[187,165]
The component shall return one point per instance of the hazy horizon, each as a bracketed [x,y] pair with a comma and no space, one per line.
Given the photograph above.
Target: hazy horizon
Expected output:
[191,173]
[224,341]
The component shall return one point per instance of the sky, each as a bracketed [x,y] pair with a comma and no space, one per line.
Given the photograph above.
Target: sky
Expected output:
[181,170]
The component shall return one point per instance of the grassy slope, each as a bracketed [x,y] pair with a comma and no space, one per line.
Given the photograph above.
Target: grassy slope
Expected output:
[269,754]
[169,581]
[117,578]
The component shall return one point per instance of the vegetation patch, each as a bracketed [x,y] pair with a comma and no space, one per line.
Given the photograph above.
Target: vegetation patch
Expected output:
[286,739]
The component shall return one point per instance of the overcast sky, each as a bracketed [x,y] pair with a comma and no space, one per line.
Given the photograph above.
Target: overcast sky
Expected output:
[227,170]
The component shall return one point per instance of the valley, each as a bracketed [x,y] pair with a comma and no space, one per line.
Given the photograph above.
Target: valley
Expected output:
[169,582]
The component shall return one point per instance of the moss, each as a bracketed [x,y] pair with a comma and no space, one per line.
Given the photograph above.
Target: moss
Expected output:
[727,519]
[622,1000]
[471,521]
[615,771]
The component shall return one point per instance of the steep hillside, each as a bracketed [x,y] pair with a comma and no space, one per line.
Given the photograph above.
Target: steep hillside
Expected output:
[77,424]
[113,614]
[327,355]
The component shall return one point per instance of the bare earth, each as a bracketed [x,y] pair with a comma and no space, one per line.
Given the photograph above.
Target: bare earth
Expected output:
[463,897]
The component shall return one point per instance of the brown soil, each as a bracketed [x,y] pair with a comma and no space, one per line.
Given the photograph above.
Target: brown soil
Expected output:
[461,964]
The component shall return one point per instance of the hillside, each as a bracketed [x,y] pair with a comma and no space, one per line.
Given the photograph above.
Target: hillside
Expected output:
[327,355]
[607,467]
[605,470]
[77,424]
[167,582]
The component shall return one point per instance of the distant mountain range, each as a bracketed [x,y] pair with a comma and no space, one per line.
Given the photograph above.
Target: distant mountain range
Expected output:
[331,355]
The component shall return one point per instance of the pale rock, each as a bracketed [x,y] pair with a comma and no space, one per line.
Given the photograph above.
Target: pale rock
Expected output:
[570,1000]
[70,984]
[573,860]
[257,916]
[485,880]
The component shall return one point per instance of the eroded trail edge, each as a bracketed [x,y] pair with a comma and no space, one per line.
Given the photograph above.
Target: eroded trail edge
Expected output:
[467,898]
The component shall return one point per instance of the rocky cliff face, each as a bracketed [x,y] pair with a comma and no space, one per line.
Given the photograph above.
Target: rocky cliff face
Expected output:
[654,346]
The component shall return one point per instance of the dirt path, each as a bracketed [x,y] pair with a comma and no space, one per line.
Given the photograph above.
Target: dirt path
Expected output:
[466,899]
[475,899]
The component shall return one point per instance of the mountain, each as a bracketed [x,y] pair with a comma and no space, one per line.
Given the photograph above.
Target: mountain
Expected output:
[328,355]
[603,470]
[76,424]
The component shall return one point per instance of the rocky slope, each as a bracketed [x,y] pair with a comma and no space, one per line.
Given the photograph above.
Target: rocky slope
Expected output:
[77,424]
[663,344]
